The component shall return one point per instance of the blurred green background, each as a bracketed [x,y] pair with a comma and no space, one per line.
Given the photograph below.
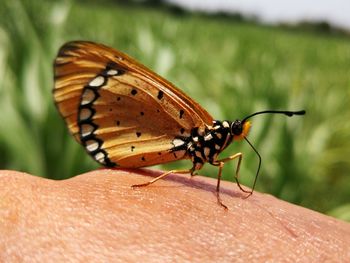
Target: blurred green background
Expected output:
[230,66]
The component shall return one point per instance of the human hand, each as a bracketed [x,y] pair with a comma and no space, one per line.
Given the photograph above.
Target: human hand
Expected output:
[98,217]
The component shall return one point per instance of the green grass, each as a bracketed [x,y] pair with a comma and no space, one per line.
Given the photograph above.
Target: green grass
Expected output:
[231,68]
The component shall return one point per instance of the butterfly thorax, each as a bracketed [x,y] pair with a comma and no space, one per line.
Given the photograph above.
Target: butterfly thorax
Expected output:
[203,147]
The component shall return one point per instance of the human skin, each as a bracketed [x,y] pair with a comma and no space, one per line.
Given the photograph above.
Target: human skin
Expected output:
[98,217]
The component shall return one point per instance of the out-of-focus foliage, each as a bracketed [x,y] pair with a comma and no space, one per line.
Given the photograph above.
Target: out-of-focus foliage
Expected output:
[232,68]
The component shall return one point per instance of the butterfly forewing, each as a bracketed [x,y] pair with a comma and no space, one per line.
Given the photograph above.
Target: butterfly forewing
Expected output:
[123,113]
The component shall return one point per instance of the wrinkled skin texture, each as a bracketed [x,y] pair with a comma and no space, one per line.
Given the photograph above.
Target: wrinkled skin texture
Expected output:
[98,217]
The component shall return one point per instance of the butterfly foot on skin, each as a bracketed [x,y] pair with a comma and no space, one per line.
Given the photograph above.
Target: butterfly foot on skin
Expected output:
[139,185]
[194,174]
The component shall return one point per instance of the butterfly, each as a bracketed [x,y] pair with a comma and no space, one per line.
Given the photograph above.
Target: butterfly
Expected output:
[125,115]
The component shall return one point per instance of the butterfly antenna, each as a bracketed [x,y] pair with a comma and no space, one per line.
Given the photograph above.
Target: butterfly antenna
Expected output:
[289,114]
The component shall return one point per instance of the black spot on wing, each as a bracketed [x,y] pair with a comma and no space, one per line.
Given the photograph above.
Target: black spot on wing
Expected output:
[160,95]
[181,113]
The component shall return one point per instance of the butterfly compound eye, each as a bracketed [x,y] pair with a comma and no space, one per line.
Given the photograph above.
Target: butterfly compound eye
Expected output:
[236,128]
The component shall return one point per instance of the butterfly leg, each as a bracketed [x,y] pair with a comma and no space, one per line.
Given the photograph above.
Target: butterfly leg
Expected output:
[221,165]
[163,175]
[223,161]
[193,174]
[240,157]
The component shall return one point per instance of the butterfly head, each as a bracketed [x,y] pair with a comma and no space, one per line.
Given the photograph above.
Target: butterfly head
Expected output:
[240,129]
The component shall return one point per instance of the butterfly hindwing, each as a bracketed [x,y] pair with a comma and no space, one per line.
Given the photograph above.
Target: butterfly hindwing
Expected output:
[121,112]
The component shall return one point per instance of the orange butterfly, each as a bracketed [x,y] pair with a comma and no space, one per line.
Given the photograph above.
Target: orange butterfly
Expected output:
[125,115]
